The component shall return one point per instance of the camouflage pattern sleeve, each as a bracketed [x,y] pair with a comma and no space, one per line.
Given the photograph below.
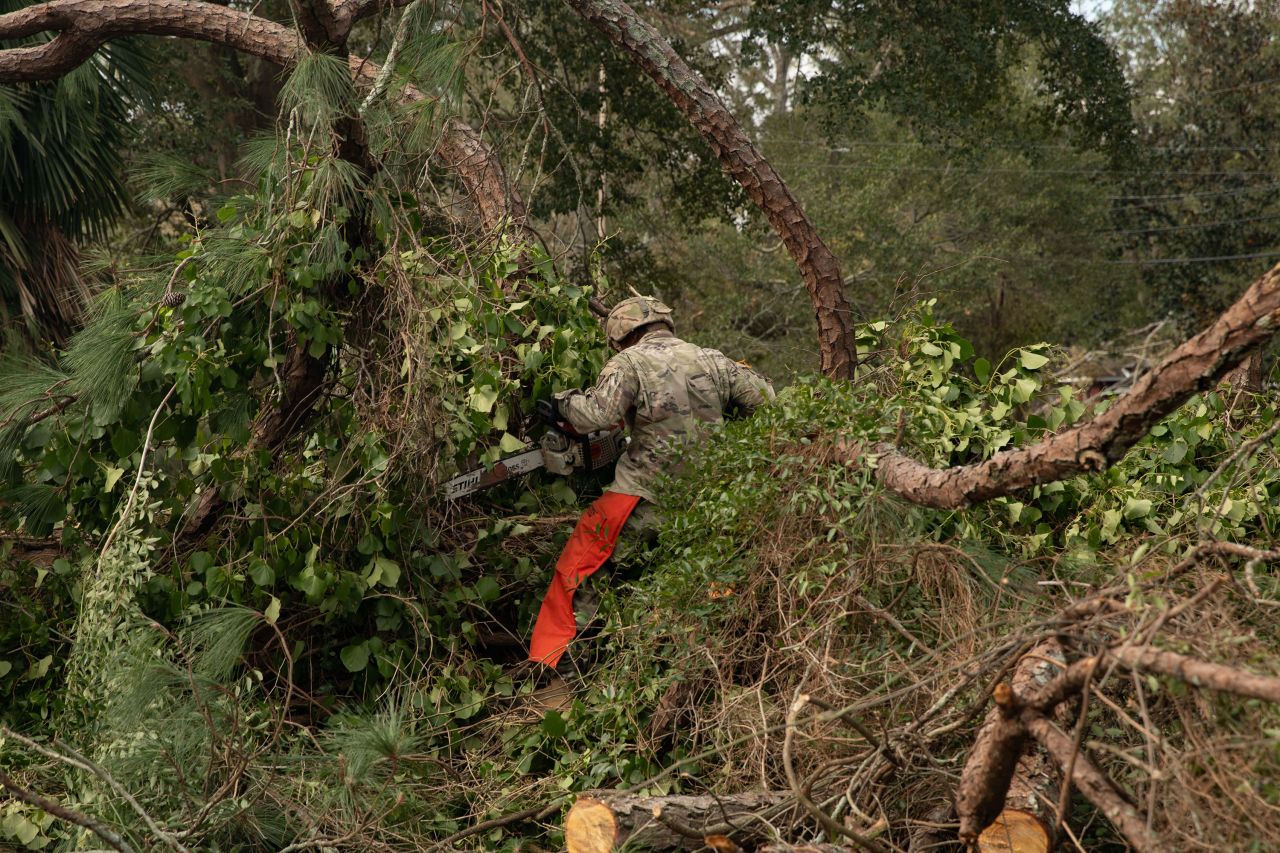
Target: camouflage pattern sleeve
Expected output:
[748,390]
[606,404]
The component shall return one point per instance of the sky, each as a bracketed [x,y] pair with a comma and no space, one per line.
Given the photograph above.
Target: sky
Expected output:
[1091,8]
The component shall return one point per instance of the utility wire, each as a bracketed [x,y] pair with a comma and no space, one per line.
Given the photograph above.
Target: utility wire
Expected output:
[877,143]
[961,170]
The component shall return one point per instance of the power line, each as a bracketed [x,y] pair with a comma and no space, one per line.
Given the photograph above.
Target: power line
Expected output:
[876,143]
[1028,171]
[1190,227]
[1208,194]
[1141,262]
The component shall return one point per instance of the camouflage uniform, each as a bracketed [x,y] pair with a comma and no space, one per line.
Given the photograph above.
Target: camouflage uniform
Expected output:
[665,390]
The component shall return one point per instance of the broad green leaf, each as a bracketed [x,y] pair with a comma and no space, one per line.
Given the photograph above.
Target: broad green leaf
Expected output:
[483,398]
[272,613]
[355,657]
[1033,360]
[383,571]
[1136,508]
[262,573]
[5,668]
[554,724]
[982,370]
[509,443]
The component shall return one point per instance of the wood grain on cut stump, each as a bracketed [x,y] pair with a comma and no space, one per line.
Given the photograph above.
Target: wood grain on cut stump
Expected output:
[1014,832]
[590,827]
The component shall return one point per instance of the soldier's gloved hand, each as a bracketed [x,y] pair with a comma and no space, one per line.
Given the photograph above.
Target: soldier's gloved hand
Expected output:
[548,411]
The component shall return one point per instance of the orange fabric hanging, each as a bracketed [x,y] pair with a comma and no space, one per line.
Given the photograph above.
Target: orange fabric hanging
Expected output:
[591,544]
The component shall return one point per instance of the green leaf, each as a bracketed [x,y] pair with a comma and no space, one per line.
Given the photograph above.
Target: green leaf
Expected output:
[226,212]
[5,668]
[487,588]
[113,477]
[982,370]
[26,831]
[510,444]
[383,571]
[355,657]
[39,669]
[1176,452]
[1033,360]
[272,613]
[262,573]
[483,398]
[554,725]
[1136,508]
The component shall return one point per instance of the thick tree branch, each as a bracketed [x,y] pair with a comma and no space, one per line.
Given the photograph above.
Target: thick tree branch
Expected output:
[1094,784]
[1196,365]
[82,26]
[746,165]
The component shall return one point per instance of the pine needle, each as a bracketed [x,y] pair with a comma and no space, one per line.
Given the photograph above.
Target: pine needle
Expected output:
[100,358]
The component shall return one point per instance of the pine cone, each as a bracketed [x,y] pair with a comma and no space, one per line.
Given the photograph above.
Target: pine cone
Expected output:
[173,298]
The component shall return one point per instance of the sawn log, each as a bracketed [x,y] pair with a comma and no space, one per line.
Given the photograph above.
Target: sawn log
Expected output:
[603,821]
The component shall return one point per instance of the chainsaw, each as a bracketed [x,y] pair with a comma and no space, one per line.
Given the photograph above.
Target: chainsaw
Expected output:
[561,450]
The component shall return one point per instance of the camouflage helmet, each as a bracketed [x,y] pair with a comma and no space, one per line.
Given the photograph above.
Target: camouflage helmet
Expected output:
[634,313]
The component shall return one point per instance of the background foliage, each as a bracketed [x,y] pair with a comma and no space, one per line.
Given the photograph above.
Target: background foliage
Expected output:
[334,660]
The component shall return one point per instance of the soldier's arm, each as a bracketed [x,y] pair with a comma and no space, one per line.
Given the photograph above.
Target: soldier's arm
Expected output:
[748,390]
[605,404]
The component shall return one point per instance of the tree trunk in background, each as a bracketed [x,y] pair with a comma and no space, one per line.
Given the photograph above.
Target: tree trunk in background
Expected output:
[746,165]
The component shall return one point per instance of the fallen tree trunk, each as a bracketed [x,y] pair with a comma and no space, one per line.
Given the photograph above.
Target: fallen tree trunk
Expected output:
[1194,366]
[604,821]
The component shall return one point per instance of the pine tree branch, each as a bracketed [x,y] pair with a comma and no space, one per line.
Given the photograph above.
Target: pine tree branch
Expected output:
[83,26]
[1196,365]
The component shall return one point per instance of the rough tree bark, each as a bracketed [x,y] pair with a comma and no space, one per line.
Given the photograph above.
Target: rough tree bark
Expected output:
[1023,821]
[745,164]
[604,821]
[1194,366]
[1024,712]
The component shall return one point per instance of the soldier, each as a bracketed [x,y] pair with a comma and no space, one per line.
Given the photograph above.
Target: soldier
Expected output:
[665,390]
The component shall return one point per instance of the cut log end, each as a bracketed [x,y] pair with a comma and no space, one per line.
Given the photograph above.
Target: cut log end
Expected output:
[590,827]
[1014,831]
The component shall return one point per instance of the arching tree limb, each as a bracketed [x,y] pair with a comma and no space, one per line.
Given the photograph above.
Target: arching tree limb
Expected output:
[746,165]
[1196,365]
[82,26]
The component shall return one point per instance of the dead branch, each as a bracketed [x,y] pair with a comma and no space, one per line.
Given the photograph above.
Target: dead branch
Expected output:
[604,821]
[746,165]
[1093,784]
[110,836]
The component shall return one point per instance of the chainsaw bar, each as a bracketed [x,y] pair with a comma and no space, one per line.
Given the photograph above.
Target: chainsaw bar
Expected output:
[503,469]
